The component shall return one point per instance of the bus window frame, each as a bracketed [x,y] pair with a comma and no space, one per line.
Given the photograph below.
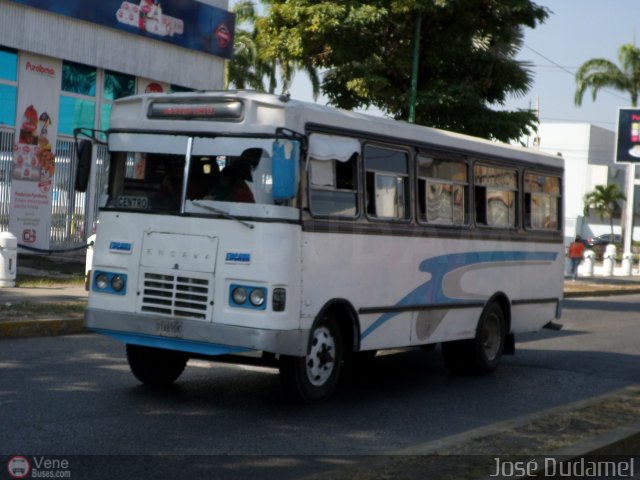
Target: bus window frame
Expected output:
[559,198]
[467,188]
[506,165]
[358,190]
[409,194]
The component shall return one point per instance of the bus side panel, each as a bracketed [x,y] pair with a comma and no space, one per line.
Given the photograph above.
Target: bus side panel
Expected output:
[418,290]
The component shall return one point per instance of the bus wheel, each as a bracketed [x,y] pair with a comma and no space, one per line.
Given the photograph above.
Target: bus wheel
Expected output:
[314,377]
[483,353]
[155,366]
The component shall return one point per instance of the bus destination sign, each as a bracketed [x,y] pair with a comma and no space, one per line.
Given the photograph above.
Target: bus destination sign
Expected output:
[216,110]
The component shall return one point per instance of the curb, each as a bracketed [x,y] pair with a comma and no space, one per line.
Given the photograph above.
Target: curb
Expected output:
[42,327]
[602,293]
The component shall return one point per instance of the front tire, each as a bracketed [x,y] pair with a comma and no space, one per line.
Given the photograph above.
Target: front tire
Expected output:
[483,353]
[313,378]
[155,366]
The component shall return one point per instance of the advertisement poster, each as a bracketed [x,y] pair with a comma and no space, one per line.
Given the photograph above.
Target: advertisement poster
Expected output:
[34,150]
[628,143]
[186,23]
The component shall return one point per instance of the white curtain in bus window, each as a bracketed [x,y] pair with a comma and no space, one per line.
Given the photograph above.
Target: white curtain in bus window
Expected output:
[445,203]
[390,196]
[332,175]
[332,147]
[323,173]
[500,208]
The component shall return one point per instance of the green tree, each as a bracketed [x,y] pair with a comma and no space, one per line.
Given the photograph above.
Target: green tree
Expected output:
[467,67]
[603,200]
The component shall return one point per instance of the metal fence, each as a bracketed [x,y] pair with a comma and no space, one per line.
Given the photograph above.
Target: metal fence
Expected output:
[73,214]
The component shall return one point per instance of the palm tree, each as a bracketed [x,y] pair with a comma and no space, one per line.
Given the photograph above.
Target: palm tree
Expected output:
[604,201]
[250,66]
[247,69]
[599,73]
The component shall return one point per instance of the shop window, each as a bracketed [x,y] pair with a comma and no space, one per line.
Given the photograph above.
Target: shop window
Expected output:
[77,103]
[75,113]
[8,103]
[178,88]
[495,196]
[442,191]
[78,78]
[387,183]
[8,64]
[118,85]
[541,201]
[8,86]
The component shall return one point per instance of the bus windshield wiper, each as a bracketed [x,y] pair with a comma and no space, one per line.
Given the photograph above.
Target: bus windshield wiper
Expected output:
[222,213]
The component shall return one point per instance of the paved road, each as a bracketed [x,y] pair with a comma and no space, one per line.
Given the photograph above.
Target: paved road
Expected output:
[74,395]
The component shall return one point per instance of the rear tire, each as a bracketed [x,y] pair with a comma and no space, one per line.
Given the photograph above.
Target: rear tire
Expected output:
[483,353]
[155,366]
[313,378]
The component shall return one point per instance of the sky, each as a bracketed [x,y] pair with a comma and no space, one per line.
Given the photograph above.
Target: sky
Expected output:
[574,32]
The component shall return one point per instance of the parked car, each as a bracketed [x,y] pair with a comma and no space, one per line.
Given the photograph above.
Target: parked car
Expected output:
[599,243]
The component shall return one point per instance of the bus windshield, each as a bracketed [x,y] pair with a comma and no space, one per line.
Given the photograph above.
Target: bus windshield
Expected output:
[161,173]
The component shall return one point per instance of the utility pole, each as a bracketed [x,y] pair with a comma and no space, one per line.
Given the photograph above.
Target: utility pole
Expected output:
[414,69]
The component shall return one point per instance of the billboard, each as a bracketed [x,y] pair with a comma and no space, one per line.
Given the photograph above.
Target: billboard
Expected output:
[34,150]
[628,141]
[185,23]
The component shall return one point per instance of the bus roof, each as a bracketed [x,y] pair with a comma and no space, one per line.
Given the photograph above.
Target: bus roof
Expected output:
[265,113]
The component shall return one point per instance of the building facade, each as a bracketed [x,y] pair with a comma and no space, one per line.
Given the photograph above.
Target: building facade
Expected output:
[62,64]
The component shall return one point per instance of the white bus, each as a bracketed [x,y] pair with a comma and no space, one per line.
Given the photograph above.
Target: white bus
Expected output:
[241,222]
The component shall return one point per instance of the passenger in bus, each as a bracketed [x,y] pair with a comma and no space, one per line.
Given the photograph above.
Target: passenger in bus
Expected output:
[232,185]
[168,196]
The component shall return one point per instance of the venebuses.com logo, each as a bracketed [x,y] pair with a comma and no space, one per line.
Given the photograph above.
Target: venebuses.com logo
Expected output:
[19,466]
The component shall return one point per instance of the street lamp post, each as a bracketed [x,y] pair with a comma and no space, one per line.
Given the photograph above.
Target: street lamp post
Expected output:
[414,69]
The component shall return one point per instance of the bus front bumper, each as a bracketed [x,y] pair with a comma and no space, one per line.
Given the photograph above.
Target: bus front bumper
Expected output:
[201,338]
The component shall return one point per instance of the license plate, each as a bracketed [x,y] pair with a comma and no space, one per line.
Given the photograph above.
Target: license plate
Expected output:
[169,328]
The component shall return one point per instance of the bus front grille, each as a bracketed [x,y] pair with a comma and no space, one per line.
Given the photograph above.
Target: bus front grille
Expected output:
[176,295]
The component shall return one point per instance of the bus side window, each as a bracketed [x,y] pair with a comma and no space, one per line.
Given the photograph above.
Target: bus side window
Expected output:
[334,187]
[442,191]
[541,201]
[387,183]
[496,196]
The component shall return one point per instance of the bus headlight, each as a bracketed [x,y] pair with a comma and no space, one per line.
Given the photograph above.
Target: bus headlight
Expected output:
[117,283]
[239,295]
[246,296]
[257,297]
[108,282]
[102,281]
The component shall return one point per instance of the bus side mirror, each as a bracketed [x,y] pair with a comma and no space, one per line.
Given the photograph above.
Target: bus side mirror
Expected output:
[84,150]
[285,161]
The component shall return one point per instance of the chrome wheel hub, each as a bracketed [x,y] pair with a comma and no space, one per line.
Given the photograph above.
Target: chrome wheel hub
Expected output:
[321,357]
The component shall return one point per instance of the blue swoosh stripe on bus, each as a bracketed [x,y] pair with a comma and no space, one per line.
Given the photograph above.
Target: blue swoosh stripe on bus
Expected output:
[431,292]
